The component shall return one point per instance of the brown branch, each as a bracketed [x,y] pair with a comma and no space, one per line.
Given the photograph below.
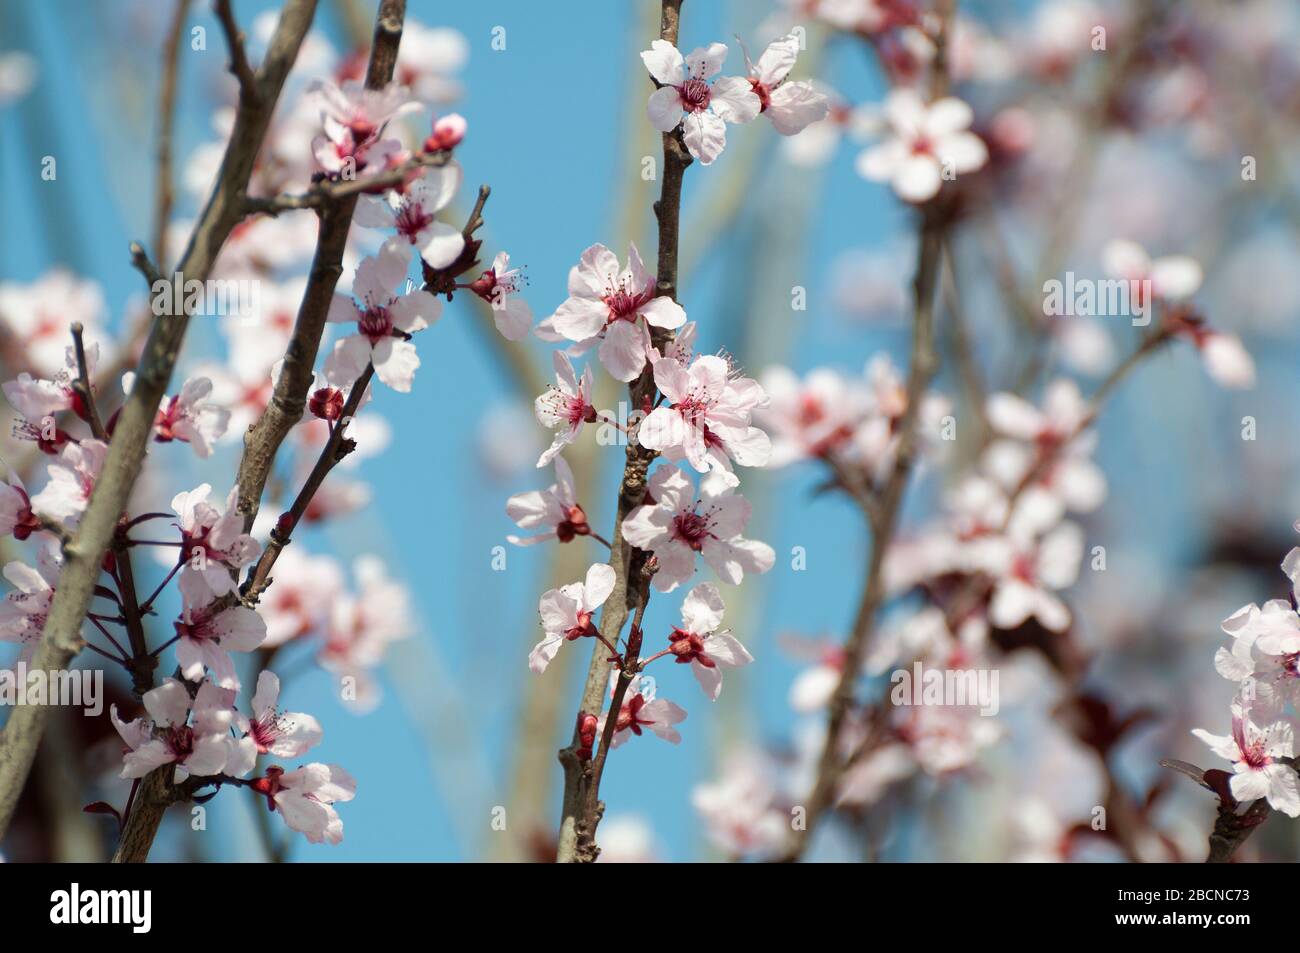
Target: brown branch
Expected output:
[326,193]
[239,66]
[263,439]
[61,639]
[336,449]
[625,561]
[164,194]
[883,520]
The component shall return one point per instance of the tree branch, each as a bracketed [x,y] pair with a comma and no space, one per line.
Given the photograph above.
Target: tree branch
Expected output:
[263,439]
[61,639]
[625,561]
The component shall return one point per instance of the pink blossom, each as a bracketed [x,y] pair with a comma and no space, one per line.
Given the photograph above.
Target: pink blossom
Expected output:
[642,710]
[278,733]
[448,132]
[300,601]
[1027,574]
[686,98]
[191,417]
[567,612]
[679,523]
[361,627]
[813,417]
[385,322]
[23,611]
[928,143]
[214,545]
[741,810]
[192,734]
[1173,278]
[707,419]
[305,798]
[413,213]
[354,118]
[698,643]
[615,306]
[1265,647]
[791,106]
[72,479]
[554,511]
[16,516]
[37,320]
[205,639]
[1256,752]
[499,286]
[565,405]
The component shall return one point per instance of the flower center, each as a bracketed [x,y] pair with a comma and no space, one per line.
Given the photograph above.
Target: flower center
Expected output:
[180,740]
[411,220]
[623,305]
[375,323]
[692,529]
[695,95]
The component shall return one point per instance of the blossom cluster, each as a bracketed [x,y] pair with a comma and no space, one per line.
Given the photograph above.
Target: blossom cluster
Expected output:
[333,128]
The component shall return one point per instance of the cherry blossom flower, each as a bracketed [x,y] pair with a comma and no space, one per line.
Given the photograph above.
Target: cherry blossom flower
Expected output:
[37,320]
[1173,278]
[565,405]
[244,390]
[361,627]
[1027,572]
[1255,752]
[206,637]
[448,132]
[24,609]
[189,416]
[1053,444]
[301,600]
[641,710]
[554,510]
[566,613]
[679,523]
[72,479]
[278,733]
[1226,360]
[740,810]
[192,734]
[213,545]
[814,417]
[686,98]
[354,118]
[1264,652]
[430,56]
[385,321]
[16,516]
[929,144]
[790,106]
[38,399]
[499,286]
[707,421]
[413,213]
[615,306]
[305,798]
[813,687]
[697,643]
